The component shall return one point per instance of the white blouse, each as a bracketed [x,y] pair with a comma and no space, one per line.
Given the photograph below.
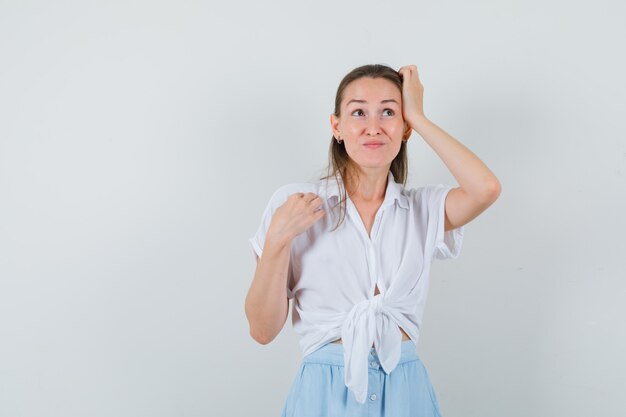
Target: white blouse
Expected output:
[333,274]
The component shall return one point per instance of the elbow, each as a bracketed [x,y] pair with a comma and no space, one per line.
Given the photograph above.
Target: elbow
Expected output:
[262,339]
[493,191]
[258,334]
[263,326]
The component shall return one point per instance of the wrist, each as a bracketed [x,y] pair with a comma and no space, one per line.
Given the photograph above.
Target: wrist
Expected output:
[277,240]
[417,121]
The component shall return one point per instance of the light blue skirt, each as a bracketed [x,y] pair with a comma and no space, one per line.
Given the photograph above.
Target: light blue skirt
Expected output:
[319,390]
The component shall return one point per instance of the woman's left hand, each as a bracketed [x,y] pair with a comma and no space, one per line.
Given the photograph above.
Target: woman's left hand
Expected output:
[412,94]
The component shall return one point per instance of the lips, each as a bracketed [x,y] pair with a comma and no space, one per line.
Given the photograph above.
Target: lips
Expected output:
[373,144]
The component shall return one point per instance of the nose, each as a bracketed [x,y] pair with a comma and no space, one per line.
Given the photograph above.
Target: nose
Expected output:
[372,127]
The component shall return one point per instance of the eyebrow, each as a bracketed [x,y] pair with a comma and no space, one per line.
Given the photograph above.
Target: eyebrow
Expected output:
[364,101]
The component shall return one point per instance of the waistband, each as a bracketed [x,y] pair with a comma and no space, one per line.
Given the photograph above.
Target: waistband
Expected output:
[332,354]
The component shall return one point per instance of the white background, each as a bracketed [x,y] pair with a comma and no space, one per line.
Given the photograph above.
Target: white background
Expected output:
[141,140]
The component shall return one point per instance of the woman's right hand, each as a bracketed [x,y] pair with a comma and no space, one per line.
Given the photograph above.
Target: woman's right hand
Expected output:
[295,216]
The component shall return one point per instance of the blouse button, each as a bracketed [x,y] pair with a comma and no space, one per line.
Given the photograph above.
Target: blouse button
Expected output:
[373,397]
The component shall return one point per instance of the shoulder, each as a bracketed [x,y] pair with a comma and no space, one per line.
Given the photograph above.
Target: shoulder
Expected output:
[297,187]
[282,193]
[425,194]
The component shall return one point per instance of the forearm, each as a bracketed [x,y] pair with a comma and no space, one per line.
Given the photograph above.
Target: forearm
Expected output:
[266,304]
[473,176]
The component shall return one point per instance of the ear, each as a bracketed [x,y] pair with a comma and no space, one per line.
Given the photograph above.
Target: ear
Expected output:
[334,125]
[407,131]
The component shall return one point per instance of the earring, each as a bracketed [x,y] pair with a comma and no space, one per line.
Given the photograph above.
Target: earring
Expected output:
[339,140]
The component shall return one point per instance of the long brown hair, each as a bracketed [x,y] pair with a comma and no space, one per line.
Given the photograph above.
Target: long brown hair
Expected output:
[337,155]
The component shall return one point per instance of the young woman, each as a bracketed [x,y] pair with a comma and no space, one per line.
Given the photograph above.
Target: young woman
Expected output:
[354,253]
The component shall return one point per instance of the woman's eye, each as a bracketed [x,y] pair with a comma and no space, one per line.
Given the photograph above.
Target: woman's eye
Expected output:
[361,111]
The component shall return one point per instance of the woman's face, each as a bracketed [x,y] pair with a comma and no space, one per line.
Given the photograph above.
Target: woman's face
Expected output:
[371,111]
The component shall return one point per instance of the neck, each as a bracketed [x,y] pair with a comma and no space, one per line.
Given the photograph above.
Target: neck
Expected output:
[368,186]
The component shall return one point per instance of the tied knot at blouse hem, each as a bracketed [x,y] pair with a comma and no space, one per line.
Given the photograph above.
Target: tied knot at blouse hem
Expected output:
[369,322]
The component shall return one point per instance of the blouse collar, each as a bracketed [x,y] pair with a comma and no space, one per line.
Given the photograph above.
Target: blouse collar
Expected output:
[330,188]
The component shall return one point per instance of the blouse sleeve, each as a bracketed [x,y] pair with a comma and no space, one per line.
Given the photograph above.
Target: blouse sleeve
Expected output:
[257,241]
[430,209]
[447,244]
